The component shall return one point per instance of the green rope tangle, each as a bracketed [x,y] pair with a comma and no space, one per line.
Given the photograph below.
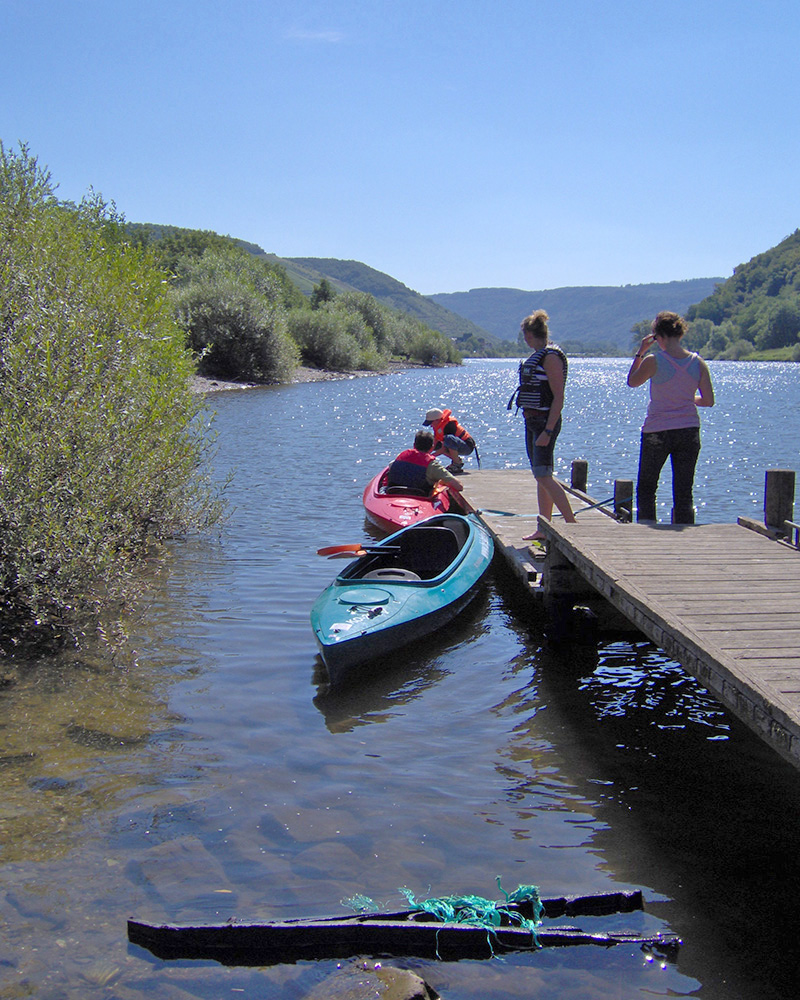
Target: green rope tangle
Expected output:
[476,911]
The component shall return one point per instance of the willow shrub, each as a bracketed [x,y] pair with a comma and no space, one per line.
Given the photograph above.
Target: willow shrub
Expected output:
[230,306]
[101,438]
[325,339]
[432,348]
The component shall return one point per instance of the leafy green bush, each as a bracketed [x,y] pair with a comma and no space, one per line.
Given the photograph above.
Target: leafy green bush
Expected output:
[433,348]
[352,324]
[376,317]
[777,325]
[324,339]
[736,351]
[229,306]
[101,438]
[698,335]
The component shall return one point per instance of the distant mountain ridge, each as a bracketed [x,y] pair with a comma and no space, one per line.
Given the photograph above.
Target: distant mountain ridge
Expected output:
[485,321]
[756,312]
[587,315]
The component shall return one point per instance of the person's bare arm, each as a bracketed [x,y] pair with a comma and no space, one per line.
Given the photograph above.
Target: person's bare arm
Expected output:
[643,365]
[555,377]
[705,391]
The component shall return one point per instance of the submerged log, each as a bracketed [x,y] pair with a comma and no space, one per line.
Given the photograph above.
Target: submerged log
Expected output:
[404,933]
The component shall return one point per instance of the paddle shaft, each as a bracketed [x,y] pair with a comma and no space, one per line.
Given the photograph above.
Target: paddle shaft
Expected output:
[356,548]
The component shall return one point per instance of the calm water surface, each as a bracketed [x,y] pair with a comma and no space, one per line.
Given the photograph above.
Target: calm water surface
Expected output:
[207,775]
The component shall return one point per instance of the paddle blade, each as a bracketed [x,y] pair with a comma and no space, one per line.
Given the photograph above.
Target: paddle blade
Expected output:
[332,550]
[355,549]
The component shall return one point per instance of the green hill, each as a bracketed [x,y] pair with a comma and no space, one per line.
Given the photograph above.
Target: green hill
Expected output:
[583,318]
[351,275]
[757,309]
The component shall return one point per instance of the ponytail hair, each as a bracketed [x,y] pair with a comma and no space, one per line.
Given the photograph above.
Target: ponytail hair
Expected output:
[536,325]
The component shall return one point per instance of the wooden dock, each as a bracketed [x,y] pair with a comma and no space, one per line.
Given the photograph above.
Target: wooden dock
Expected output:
[721,599]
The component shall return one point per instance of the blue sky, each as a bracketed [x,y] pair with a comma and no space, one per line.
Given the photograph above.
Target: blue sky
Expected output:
[453,145]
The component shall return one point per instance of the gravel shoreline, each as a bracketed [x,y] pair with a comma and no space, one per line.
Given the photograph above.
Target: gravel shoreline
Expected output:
[302,374]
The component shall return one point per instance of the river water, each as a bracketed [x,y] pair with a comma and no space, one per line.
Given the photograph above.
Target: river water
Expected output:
[206,774]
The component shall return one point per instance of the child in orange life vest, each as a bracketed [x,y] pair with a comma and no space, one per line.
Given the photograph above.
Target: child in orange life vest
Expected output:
[418,469]
[450,437]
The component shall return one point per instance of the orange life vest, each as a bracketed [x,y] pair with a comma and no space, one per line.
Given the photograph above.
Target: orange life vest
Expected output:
[447,424]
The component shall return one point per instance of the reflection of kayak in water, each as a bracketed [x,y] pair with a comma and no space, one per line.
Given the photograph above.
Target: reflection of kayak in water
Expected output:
[402,588]
[393,507]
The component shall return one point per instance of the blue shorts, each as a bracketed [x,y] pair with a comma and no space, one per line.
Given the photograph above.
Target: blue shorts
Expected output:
[540,456]
[458,445]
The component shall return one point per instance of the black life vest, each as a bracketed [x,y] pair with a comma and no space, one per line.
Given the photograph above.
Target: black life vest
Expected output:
[533,391]
[410,469]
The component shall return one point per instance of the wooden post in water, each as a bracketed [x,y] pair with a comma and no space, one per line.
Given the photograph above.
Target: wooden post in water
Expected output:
[563,587]
[561,584]
[623,499]
[580,474]
[778,498]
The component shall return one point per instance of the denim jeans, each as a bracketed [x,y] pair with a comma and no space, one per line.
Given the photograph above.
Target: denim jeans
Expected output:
[681,446]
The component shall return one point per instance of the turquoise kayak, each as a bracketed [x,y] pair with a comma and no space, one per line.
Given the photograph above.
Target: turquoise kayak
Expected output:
[402,588]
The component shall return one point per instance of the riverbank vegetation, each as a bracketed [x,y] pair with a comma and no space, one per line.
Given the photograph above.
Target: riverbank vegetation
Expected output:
[101,439]
[755,314]
[355,277]
[246,319]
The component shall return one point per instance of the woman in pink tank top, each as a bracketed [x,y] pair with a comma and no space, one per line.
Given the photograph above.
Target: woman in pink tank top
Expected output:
[679,383]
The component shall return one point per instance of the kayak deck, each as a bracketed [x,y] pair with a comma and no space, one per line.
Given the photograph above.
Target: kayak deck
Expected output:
[402,588]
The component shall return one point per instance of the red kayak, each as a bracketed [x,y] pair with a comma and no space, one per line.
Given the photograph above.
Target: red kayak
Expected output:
[393,507]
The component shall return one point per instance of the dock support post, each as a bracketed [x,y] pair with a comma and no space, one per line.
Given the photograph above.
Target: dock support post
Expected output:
[623,499]
[580,474]
[558,601]
[563,587]
[778,498]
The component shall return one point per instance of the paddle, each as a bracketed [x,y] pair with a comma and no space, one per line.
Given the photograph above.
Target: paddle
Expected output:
[355,548]
[510,513]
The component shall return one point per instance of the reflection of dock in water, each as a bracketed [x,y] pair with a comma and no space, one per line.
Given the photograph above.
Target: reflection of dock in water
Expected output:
[721,599]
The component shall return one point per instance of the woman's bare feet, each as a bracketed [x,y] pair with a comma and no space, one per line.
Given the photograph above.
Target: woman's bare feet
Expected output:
[537,536]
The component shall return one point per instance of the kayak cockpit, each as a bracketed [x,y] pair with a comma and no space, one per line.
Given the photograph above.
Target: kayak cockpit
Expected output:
[422,552]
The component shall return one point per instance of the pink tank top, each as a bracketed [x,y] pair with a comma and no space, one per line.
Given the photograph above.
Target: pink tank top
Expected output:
[672,391]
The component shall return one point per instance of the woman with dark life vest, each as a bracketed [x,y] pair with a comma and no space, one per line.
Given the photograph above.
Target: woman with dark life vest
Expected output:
[417,468]
[541,397]
[450,437]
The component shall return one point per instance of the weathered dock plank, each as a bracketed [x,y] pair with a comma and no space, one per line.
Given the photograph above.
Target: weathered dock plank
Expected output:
[722,600]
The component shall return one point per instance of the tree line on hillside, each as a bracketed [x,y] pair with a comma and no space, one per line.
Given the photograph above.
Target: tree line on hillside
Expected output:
[352,275]
[754,314]
[590,320]
[246,320]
